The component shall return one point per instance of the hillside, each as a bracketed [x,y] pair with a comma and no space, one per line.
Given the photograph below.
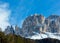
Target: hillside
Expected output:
[11,38]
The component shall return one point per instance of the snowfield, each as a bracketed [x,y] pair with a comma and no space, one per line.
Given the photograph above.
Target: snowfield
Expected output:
[45,35]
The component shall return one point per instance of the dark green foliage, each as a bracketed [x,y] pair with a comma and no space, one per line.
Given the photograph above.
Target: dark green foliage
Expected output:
[11,38]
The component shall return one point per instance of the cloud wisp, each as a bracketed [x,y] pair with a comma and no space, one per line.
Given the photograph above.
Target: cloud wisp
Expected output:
[4,15]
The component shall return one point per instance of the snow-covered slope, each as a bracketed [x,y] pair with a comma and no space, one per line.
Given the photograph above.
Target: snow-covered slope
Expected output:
[45,35]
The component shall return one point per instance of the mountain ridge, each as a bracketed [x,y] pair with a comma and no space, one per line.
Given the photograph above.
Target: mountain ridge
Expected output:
[37,24]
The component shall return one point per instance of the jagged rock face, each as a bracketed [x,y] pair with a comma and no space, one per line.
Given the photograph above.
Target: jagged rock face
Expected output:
[18,31]
[38,23]
[54,23]
[9,30]
[32,24]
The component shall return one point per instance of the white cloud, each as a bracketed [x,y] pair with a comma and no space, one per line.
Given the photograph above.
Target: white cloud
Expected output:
[4,15]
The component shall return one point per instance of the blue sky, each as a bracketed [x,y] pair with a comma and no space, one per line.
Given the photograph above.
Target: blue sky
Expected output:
[20,9]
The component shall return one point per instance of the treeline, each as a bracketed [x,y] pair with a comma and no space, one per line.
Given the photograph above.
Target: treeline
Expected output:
[11,38]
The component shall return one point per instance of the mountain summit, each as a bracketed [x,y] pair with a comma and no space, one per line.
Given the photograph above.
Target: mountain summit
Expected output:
[38,27]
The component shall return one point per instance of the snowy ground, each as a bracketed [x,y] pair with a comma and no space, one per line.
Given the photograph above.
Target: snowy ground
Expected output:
[45,35]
